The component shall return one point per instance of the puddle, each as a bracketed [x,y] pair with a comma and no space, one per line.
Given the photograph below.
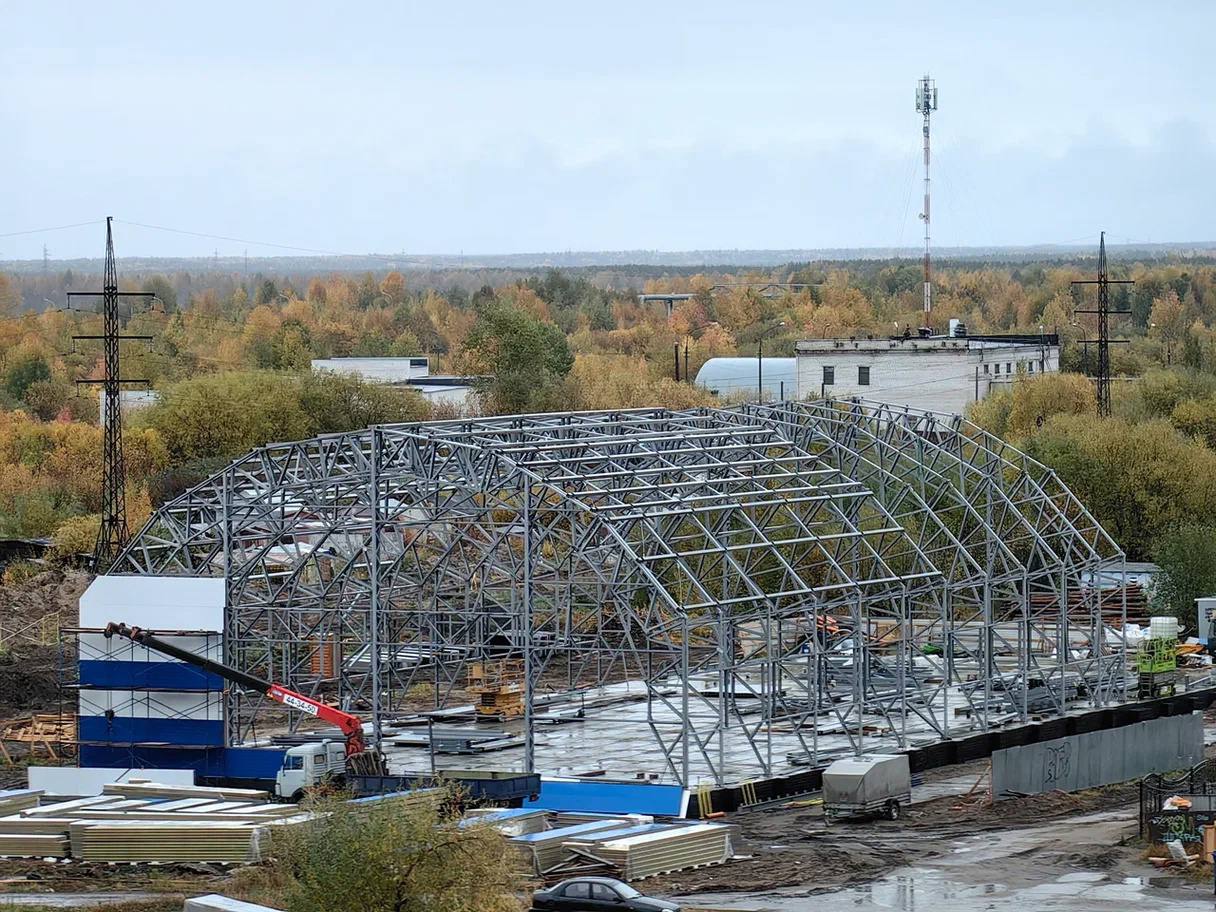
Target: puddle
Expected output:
[930,890]
[71,900]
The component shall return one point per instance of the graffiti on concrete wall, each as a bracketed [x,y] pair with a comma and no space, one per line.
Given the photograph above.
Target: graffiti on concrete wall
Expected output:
[1057,764]
[1098,758]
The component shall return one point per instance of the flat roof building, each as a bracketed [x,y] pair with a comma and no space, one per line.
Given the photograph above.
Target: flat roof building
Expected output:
[413,372]
[941,373]
[377,370]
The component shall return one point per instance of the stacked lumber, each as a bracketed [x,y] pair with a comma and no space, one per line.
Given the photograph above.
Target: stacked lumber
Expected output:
[674,848]
[1109,600]
[42,732]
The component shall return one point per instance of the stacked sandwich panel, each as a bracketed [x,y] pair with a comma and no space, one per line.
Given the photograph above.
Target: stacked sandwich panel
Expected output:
[34,845]
[41,831]
[166,824]
[43,837]
[574,818]
[508,821]
[674,848]
[170,840]
[542,851]
[137,789]
[14,800]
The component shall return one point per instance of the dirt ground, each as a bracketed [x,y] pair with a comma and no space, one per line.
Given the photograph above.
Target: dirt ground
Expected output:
[37,875]
[784,848]
[793,847]
[779,848]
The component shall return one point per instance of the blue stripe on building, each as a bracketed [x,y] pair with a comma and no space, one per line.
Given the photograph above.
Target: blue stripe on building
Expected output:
[125,729]
[216,762]
[155,675]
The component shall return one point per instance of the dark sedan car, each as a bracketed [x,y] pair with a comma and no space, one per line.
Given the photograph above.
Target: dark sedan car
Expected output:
[594,894]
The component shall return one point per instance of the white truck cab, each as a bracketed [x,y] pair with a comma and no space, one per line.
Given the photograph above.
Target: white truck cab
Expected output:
[308,765]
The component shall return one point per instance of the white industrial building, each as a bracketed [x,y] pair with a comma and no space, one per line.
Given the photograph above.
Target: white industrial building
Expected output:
[128,401]
[941,373]
[414,372]
[377,370]
[740,378]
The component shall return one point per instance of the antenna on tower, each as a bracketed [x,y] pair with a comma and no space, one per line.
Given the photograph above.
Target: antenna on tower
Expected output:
[926,104]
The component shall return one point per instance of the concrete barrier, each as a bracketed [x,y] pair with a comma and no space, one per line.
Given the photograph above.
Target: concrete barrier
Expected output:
[213,902]
[1099,758]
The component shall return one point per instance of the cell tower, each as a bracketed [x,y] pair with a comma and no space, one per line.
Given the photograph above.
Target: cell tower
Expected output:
[926,104]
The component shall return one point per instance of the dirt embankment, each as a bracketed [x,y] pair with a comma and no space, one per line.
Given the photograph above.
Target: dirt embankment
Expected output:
[31,614]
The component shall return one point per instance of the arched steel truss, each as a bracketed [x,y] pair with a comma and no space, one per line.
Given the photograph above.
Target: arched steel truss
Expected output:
[795,578]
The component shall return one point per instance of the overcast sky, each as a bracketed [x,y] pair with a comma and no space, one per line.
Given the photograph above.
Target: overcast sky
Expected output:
[516,127]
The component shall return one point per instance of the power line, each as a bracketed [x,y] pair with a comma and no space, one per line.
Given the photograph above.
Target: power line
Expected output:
[53,228]
[236,240]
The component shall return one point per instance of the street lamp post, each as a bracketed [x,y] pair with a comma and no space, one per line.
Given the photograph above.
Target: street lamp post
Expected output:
[760,358]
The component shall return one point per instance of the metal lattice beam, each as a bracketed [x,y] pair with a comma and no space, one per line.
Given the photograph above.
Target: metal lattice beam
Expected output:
[763,575]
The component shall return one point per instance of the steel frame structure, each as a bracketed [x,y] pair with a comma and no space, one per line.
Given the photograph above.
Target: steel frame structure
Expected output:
[768,572]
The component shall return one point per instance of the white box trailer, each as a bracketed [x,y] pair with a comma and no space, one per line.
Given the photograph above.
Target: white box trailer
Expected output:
[870,784]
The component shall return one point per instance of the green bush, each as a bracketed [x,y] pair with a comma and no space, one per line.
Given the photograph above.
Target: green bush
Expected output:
[218,416]
[392,856]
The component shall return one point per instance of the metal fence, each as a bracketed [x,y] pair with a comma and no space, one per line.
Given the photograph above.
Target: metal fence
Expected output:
[1156,788]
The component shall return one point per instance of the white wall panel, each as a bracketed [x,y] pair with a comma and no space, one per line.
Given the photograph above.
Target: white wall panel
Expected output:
[153,704]
[155,602]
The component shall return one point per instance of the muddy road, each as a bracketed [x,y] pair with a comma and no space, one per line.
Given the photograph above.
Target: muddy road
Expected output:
[794,847]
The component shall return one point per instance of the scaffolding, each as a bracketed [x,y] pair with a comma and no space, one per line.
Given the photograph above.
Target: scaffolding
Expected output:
[767,585]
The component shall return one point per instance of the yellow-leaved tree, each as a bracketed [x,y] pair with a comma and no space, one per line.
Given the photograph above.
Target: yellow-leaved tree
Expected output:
[1017,413]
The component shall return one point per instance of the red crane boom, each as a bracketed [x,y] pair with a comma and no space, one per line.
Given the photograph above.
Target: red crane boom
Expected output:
[350,725]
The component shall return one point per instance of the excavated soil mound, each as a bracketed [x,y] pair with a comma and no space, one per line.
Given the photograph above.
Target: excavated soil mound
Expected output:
[31,614]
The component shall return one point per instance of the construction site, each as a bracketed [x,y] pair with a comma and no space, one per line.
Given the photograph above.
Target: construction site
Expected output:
[663,637]
[703,597]
[699,648]
[555,592]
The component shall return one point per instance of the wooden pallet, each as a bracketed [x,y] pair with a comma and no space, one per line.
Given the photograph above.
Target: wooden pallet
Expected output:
[46,735]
